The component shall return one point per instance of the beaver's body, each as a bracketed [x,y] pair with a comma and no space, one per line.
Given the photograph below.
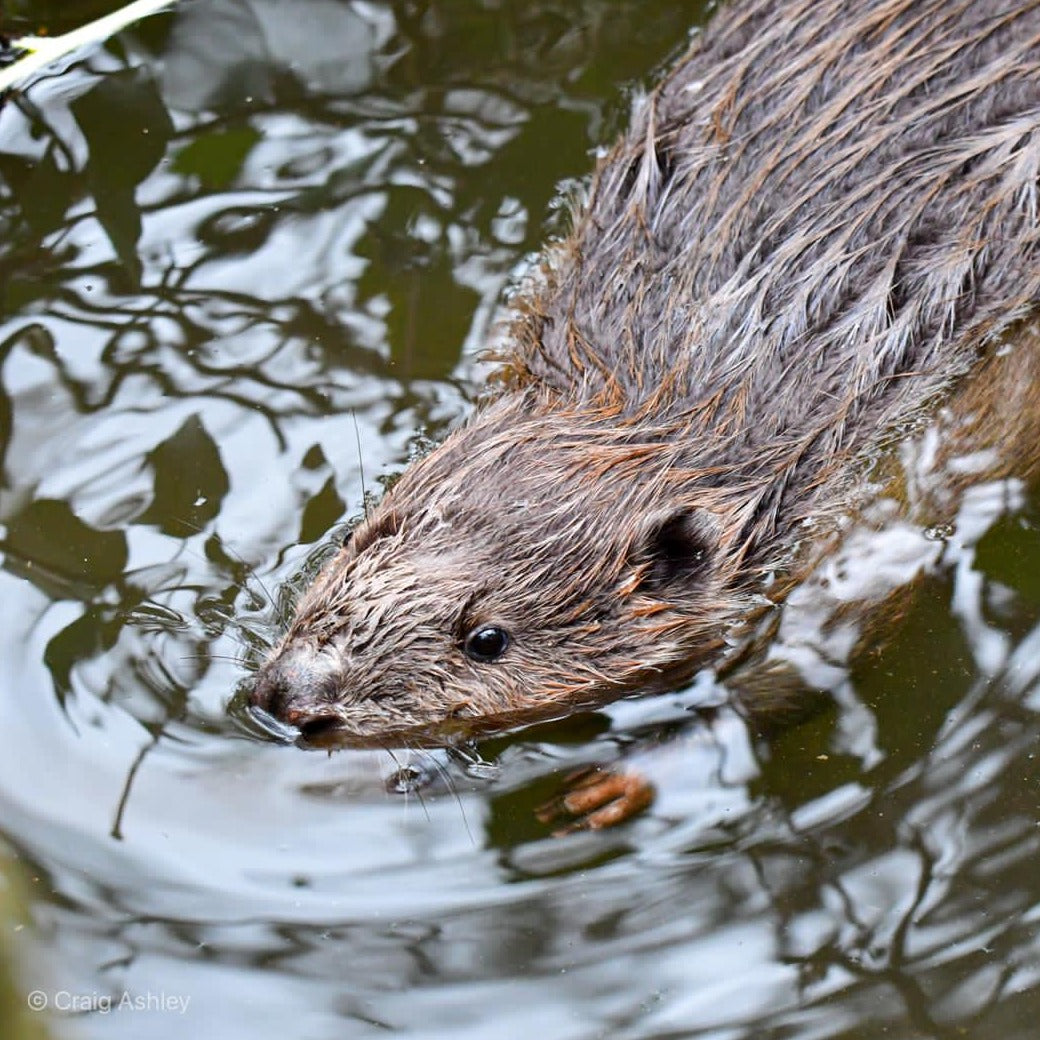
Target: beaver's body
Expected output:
[816,223]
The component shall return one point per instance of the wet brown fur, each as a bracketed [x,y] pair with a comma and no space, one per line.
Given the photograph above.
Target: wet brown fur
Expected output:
[817,222]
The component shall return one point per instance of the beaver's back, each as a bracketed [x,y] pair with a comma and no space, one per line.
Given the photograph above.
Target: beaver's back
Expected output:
[820,199]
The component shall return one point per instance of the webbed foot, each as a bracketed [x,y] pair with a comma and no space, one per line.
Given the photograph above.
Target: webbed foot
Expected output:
[597,798]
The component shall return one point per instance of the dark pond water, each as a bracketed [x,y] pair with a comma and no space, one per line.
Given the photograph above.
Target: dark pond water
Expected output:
[247,246]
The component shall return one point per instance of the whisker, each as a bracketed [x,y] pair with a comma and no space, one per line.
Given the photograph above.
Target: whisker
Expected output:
[450,784]
[361,463]
[418,791]
[211,657]
[250,570]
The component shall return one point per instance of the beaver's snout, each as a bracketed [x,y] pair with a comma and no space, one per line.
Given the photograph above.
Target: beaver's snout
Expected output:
[297,687]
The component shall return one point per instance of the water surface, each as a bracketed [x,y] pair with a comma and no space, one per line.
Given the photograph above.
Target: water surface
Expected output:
[250,251]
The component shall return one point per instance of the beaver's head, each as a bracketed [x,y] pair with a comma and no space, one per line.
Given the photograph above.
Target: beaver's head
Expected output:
[529,564]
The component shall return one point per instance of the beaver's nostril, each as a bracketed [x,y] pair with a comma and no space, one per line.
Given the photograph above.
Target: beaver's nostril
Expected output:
[297,685]
[313,726]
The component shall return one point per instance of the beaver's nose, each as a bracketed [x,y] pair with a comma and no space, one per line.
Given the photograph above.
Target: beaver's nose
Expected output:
[295,687]
[271,690]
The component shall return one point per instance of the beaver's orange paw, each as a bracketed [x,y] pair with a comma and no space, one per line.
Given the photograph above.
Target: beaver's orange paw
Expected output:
[597,798]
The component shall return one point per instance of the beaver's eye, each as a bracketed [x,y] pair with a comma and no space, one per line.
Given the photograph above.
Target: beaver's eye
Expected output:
[487,643]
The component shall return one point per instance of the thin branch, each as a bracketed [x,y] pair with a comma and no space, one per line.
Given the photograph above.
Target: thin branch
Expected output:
[42,50]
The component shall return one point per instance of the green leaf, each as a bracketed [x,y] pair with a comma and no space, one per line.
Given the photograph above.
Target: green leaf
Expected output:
[190,480]
[127,129]
[52,547]
[321,512]
[217,158]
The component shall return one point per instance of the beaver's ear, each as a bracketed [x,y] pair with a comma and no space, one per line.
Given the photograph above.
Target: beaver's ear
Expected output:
[675,548]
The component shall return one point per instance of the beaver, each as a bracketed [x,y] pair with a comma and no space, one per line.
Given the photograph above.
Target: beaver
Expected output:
[817,223]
